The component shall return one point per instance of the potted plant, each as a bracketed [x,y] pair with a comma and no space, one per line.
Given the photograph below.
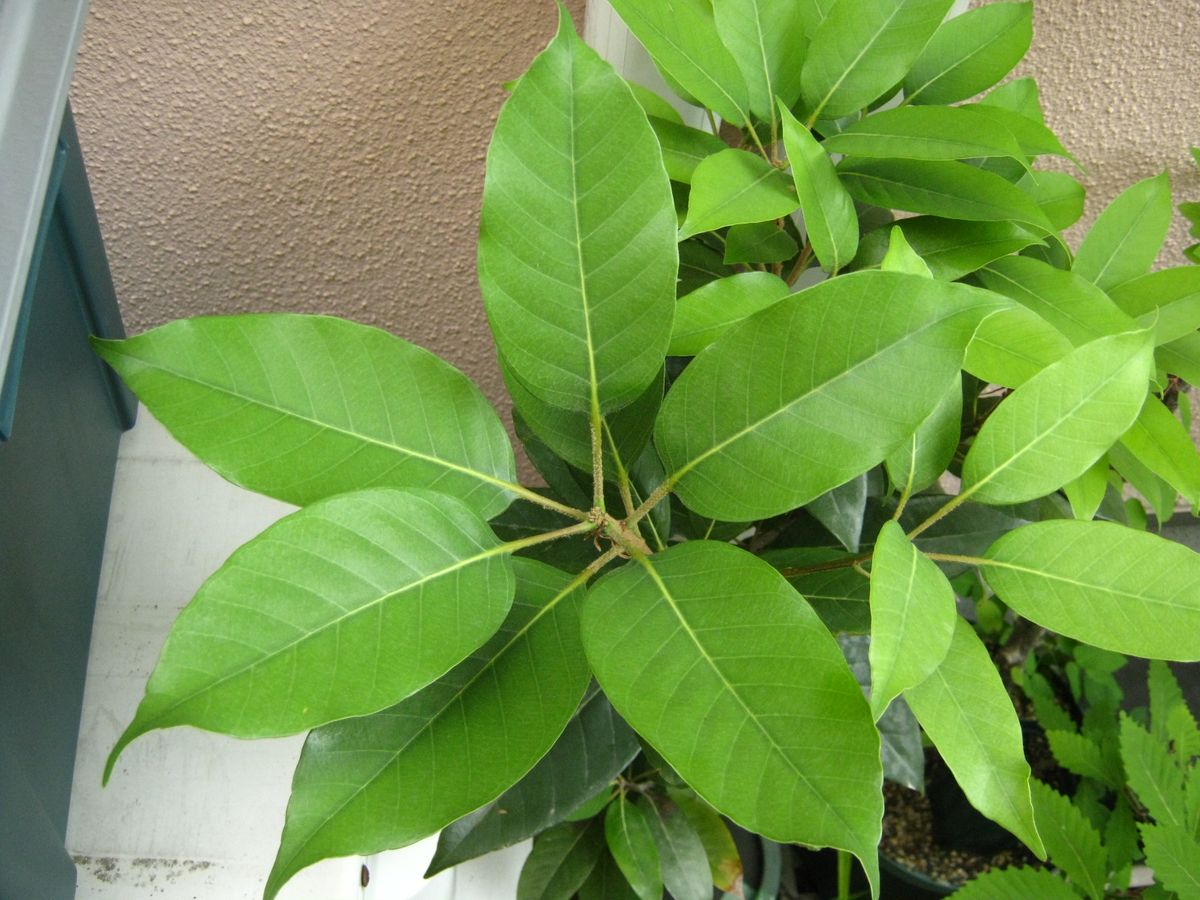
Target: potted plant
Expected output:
[737,470]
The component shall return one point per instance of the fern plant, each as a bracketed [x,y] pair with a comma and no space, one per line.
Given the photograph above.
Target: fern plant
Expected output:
[738,469]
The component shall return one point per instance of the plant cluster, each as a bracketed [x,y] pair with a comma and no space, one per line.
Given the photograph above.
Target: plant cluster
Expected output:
[739,470]
[1137,796]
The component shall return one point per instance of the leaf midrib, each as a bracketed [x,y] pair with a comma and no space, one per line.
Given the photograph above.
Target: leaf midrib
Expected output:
[866,47]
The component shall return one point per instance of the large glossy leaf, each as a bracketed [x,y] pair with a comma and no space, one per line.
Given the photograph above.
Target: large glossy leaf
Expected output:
[383,781]
[682,38]
[767,39]
[840,596]
[735,187]
[685,868]
[707,313]
[1060,196]
[562,859]
[841,511]
[288,633]
[595,746]
[829,215]
[949,189]
[970,53]
[966,712]
[920,461]
[901,257]
[759,242]
[912,617]
[577,258]
[1168,301]
[684,148]
[717,662]
[724,862]
[1099,582]
[1012,345]
[1031,133]
[1053,427]
[950,248]
[606,881]
[1127,236]
[1071,842]
[567,431]
[925,132]
[305,407]
[1181,357]
[632,845]
[842,373]
[1163,445]
[864,48]
[1073,305]
[900,745]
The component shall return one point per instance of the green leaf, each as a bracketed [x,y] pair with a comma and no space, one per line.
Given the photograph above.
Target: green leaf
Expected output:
[632,845]
[1016,884]
[567,432]
[1018,95]
[843,373]
[751,702]
[564,482]
[1174,855]
[305,407]
[606,881]
[841,511]
[682,38]
[1153,775]
[1081,755]
[1160,495]
[1181,357]
[1167,301]
[262,649]
[684,148]
[685,870]
[950,248]
[1075,307]
[901,749]
[1165,694]
[1086,492]
[593,749]
[763,242]
[1056,425]
[1071,842]
[707,313]
[829,216]
[966,712]
[1163,445]
[562,860]
[912,617]
[577,259]
[901,257]
[1121,836]
[734,187]
[926,132]
[1103,584]
[1127,236]
[1034,138]
[655,107]
[1057,194]
[525,520]
[952,190]
[864,48]
[767,39]
[379,782]
[970,53]
[840,596]
[724,863]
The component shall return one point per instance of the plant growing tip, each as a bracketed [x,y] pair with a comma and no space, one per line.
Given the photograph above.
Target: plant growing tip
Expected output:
[750,473]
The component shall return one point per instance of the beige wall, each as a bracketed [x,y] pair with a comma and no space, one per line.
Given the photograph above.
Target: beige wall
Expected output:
[328,157]
[297,155]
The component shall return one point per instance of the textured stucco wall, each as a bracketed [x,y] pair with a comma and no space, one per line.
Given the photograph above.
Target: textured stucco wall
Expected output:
[1120,83]
[313,157]
[328,157]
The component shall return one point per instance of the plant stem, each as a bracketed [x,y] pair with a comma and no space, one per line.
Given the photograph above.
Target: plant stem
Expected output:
[597,457]
[800,266]
[954,557]
[843,875]
[655,498]
[908,485]
[581,528]
[547,503]
[950,506]
[847,563]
